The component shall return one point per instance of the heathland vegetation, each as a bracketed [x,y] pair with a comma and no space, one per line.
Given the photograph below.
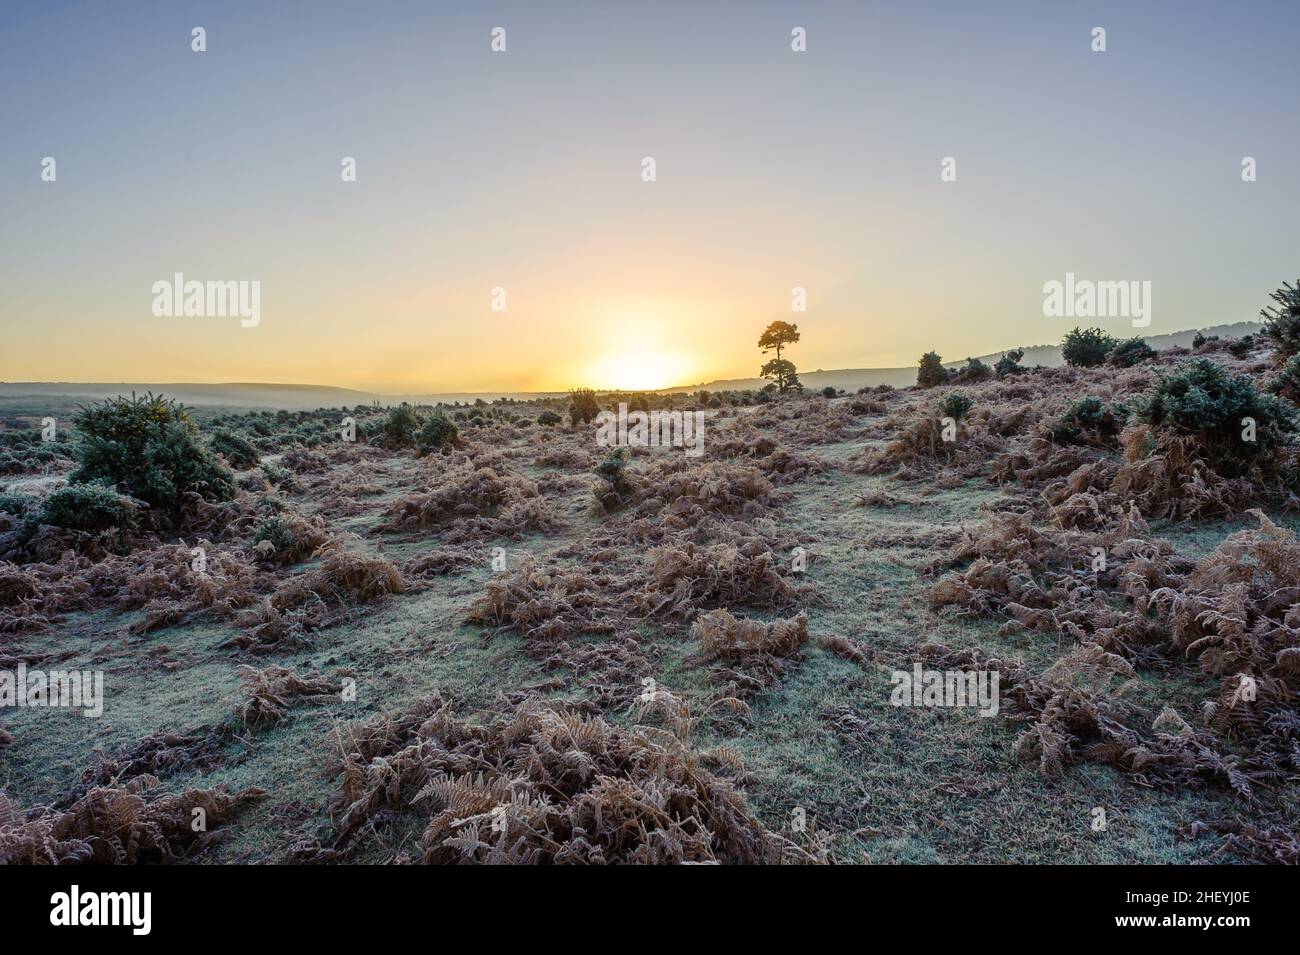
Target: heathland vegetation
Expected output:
[464,632]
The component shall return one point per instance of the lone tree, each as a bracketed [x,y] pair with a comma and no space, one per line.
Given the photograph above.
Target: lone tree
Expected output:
[781,370]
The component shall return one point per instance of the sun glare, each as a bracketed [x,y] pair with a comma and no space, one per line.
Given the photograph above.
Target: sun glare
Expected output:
[638,371]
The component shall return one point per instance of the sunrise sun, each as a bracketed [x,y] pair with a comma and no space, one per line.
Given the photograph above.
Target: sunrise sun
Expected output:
[647,370]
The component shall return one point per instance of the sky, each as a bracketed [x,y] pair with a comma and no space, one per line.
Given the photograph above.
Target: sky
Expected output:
[522,170]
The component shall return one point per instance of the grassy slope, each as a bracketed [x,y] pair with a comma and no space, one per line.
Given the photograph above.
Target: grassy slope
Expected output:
[892,784]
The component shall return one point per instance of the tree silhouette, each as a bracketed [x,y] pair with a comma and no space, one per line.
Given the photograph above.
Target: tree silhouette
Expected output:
[782,371]
[778,335]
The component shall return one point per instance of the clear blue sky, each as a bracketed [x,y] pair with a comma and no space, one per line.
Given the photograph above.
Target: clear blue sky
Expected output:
[522,170]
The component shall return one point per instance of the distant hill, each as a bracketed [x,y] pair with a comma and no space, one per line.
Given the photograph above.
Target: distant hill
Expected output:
[851,379]
[240,395]
[296,397]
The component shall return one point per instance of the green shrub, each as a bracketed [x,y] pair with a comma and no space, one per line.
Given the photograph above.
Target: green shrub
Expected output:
[613,470]
[19,504]
[278,532]
[1130,352]
[1240,347]
[1201,399]
[277,475]
[972,372]
[150,449]
[89,507]
[1009,363]
[829,392]
[437,432]
[401,427]
[549,418]
[955,405]
[1282,320]
[238,451]
[931,371]
[1287,382]
[1086,347]
[1087,420]
[583,406]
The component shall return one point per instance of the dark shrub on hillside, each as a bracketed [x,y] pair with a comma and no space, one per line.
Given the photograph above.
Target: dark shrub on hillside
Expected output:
[1202,400]
[238,451]
[437,433]
[583,406]
[1240,347]
[1087,421]
[1086,347]
[1130,352]
[1282,320]
[88,507]
[150,449]
[828,392]
[931,372]
[955,405]
[1009,363]
[401,426]
[972,372]
[549,418]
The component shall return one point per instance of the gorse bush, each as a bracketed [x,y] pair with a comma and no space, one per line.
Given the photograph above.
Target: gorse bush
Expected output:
[613,470]
[148,448]
[88,507]
[613,488]
[401,427]
[238,451]
[18,504]
[1240,347]
[1088,420]
[931,372]
[583,406]
[436,433]
[1287,381]
[1009,363]
[1086,347]
[549,418]
[955,405]
[1201,399]
[291,537]
[1130,352]
[972,372]
[1282,320]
